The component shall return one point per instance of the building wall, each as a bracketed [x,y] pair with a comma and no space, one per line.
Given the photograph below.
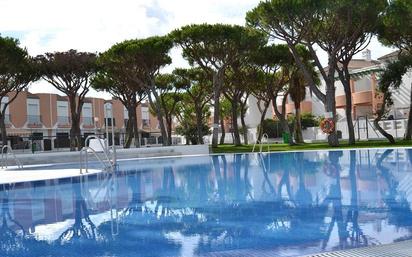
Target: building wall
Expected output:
[50,124]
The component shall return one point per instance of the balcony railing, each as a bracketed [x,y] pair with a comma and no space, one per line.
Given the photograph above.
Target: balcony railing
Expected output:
[34,119]
[63,119]
[146,123]
[88,121]
[109,122]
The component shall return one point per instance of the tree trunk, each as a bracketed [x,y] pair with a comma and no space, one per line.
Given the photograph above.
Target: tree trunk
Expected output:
[262,119]
[169,130]
[408,133]
[135,126]
[199,125]
[244,127]
[243,109]
[344,76]
[281,115]
[129,132]
[222,126]
[235,125]
[378,118]
[330,106]
[217,85]
[75,134]
[298,124]
[3,129]
[159,114]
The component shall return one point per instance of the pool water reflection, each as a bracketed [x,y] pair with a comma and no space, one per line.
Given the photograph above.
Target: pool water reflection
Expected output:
[285,204]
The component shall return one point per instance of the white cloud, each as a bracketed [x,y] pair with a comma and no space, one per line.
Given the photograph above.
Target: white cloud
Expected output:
[95,25]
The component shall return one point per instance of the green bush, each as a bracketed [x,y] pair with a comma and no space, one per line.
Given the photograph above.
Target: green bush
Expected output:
[308,120]
[274,129]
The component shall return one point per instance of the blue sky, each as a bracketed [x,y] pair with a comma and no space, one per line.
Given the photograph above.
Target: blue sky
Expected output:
[95,25]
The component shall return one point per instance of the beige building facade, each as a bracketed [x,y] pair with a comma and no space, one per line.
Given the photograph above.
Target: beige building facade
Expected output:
[45,118]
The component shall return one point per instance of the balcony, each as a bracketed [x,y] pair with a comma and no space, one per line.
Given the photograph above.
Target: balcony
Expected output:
[34,120]
[340,101]
[305,106]
[146,123]
[109,122]
[362,98]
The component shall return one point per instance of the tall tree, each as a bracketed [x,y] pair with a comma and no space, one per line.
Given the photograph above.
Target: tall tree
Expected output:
[234,90]
[213,48]
[357,25]
[70,72]
[263,97]
[395,29]
[274,61]
[225,113]
[16,72]
[391,79]
[169,97]
[110,81]
[297,90]
[146,57]
[198,87]
[187,116]
[311,23]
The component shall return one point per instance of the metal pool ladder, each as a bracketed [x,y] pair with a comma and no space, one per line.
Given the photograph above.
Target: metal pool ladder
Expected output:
[109,161]
[261,142]
[4,158]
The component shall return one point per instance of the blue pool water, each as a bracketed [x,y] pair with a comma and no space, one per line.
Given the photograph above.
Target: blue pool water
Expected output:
[279,204]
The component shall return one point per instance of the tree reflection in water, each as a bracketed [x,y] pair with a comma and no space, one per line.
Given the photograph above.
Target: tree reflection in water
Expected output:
[12,239]
[79,230]
[229,204]
[398,206]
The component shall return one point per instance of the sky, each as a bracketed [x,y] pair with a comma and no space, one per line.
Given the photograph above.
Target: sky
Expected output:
[95,25]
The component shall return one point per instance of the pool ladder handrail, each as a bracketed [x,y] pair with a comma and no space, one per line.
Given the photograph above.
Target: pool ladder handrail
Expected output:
[261,142]
[86,149]
[4,157]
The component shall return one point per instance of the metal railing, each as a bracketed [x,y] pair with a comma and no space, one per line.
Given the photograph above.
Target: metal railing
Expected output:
[4,158]
[263,141]
[108,163]
[111,160]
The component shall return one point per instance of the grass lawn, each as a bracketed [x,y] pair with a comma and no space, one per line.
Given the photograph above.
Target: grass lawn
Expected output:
[307,146]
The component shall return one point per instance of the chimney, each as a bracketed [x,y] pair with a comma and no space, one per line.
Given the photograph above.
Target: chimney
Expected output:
[366,55]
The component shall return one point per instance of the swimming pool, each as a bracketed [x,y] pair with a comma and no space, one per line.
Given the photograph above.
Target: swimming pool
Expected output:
[278,204]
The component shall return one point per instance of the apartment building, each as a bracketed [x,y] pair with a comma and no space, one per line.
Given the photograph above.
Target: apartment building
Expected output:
[365,99]
[45,118]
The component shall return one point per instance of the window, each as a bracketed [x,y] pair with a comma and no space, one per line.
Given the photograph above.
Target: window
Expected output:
[87,113]
[33,111]
[126,116]
[145,116]
[62,112]
[108,114]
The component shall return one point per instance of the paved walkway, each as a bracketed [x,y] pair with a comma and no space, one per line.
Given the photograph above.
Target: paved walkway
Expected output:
[15,176]
[400,249]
